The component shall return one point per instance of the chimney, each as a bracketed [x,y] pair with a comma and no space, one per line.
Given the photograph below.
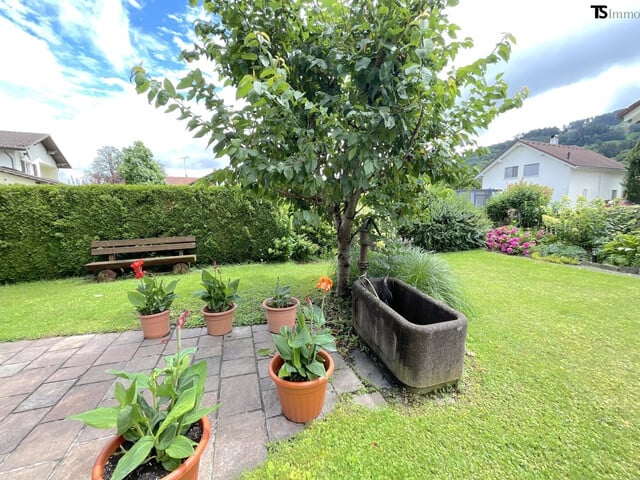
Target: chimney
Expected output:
[554,140]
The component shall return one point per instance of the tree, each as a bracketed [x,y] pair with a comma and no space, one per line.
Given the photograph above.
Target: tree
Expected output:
[632,178]
[139,167]
[104,168]
[342,103]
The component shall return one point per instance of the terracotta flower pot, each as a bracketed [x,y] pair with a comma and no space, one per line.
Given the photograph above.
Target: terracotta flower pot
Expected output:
[219,323]
[188,470]
[155,325]
[301,401]
[279,317]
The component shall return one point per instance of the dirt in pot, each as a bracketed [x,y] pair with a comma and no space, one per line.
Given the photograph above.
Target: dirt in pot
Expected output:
[151,470]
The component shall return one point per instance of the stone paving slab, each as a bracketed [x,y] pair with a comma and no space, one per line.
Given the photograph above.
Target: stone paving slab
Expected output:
[42,382]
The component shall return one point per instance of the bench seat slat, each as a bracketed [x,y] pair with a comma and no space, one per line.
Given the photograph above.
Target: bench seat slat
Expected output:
[148,261]
[142,248]
[141,241]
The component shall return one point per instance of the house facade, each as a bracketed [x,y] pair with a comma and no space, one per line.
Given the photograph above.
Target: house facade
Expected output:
[569,170]
[631,114]
[29,158]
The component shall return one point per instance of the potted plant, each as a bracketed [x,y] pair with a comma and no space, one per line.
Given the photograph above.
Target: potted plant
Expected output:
[302,365]
[281,308]
[220,301]
[158,420]
[152,300]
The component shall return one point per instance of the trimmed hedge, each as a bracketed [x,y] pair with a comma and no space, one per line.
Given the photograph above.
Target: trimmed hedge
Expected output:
[46,231]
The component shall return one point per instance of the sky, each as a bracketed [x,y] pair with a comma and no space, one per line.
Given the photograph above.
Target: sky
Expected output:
[65,68]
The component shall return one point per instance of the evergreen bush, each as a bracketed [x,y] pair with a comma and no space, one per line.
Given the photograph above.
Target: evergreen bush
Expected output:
[46,231]
[521,202]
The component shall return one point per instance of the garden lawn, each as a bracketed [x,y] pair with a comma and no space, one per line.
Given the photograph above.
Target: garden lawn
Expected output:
[551,389]
[80,305]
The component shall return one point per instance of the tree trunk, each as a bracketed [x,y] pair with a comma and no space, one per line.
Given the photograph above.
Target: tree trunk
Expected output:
[343,219]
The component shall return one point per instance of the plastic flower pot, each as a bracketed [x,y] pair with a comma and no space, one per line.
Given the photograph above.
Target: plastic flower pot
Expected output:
[219,323]
[156,325]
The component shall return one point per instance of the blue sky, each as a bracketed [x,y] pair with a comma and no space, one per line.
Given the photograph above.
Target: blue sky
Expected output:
[66,64]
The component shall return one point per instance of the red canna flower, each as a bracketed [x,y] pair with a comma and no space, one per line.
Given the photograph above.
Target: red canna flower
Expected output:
[324,284]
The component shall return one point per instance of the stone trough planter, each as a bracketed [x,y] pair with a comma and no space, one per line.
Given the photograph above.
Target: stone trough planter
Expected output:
[420,340]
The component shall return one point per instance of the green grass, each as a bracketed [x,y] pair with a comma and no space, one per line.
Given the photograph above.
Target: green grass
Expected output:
[552,389]
[80,305]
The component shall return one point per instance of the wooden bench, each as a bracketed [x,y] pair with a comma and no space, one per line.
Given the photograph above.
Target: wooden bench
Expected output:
[121,253]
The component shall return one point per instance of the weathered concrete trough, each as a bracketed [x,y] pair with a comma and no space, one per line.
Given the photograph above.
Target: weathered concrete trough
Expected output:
[420,340]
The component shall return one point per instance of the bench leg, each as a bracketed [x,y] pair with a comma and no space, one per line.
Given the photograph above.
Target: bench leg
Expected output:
[179,268]
[106,275]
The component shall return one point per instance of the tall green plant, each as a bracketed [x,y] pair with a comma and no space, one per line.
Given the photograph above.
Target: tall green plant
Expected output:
[521,204]
[581,223]
[632,178]
[341,101]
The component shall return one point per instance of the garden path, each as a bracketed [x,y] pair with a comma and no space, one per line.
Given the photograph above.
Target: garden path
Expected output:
[44,381]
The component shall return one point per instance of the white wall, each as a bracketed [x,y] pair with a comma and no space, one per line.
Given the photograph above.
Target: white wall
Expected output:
[597,183]
[552,172]
[46,164]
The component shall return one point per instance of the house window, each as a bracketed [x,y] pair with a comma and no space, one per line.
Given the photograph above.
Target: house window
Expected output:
[511,172]
[614,194]
[531,170]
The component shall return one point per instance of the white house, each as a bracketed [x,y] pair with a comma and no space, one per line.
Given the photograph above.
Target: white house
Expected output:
[567,169]
[29,158]
[631,114]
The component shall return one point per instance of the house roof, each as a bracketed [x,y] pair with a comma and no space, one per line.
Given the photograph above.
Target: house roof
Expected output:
[574,155]
[24,140]
[631,113]
[180,180]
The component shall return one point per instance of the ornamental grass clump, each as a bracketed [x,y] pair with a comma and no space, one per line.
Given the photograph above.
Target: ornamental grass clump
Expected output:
[511,240]
[151,295]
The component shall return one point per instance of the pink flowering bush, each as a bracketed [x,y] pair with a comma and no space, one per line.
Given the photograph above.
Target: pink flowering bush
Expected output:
[511,240]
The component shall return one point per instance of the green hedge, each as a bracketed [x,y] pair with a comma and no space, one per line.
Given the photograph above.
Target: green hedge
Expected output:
[46,231]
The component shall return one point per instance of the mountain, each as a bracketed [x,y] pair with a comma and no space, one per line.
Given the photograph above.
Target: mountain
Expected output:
[604,134]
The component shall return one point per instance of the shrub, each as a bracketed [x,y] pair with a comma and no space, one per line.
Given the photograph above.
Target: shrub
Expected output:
[559,253]
[621,218]
[511,240]
[623,250]
[581,223]
[521,202]
[425,271]
[46,231]
[449,224]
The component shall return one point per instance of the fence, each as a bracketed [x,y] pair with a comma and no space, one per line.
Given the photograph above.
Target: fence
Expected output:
[477,197]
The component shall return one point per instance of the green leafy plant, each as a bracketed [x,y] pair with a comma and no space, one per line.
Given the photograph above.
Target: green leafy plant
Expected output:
[581,223]
[156,410]
[151,295]
[623,250]
[559,253]
[218,295]
[521,203]
[300,346]
[281,296]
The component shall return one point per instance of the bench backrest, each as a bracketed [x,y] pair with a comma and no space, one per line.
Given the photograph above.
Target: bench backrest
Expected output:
[139,245]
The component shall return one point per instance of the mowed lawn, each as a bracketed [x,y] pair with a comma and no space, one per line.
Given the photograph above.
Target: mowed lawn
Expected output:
[551,387]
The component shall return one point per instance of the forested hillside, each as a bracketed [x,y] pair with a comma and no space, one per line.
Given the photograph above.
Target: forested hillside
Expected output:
[604,134]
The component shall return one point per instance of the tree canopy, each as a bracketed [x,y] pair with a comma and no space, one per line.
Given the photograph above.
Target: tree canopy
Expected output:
[340,104]
[104,168]
[632,178]
[139,167]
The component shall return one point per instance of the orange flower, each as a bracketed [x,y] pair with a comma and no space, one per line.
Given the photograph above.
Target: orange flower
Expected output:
[324,284]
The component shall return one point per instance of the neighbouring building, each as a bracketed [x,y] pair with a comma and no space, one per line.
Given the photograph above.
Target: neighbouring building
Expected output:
[29,158]
[568,169]
[180,180]
[631,114]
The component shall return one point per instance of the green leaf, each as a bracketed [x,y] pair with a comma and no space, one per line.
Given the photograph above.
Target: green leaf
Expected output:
[103,417]
[134,457]
[362,63]
[168,86]
[181,447]
[317,368]
[167,437]
[137,299]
